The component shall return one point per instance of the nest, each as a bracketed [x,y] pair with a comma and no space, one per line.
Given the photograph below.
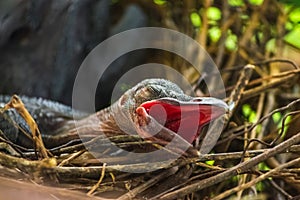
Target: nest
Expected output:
[249,157]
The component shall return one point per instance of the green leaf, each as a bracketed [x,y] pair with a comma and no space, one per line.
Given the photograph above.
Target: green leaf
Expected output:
[260,186]
[289,26]
[231,42]
[293,37]
[277,117]
[263,166]
[258,128]
[288,119]
[294,16]
[252,117]
[293,2]
[286,125]
[270,46]
[249,113]
[246,109]
[236,2]
[160,2]
[210,162]
[256,2]
[195,19]
[214,33]
[214,13]
[244,16]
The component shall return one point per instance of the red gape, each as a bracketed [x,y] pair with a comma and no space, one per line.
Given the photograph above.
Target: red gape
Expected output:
[184,119]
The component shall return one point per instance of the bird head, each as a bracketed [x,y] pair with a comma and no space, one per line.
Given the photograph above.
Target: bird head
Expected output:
[163,106]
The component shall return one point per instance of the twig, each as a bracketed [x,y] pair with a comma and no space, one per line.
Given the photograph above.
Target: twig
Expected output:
[99,181]
[202,35]
[94,171]
[29,166]
[237,92]
[279,189]
[257,90]
[240,168]
[132,193]
[275,111]
[284,77]
[278,136]
[18,105]
[293,63]
[226,21]
[256,180]
[73,156]
[235,96]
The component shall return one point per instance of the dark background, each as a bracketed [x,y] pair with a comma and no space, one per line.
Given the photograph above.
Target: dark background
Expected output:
[43,42]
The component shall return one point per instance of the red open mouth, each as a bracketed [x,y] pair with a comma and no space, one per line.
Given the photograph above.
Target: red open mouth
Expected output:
[186,118]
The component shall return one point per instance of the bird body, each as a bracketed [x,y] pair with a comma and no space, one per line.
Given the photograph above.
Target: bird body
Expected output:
[155,109]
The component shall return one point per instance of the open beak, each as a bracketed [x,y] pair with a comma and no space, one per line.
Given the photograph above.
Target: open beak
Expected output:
[186,118]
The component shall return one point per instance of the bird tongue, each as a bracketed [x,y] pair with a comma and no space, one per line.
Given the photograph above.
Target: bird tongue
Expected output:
[184,118]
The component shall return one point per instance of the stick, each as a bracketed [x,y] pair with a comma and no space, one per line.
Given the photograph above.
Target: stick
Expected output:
[238,169]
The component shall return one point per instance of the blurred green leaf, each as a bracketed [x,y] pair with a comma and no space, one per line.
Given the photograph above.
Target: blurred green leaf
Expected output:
[260,186]
[244,16]
[277,117]
[210,162]
[236,2]
[294,16]
[256,2]
[214,13]
[293,2]
[286,125]
[288,119]
[235,178]
[195,19]
[249,113]
[252,117]
[214,33]
[289,26]
[246,109]
[270,46]
[258,128]
[293,37]
[263,166]
[160,2]
[231,42]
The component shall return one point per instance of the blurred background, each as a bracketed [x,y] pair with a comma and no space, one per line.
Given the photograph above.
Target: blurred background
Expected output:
[43,42]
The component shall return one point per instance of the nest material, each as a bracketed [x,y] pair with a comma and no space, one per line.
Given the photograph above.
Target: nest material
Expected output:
[72,172]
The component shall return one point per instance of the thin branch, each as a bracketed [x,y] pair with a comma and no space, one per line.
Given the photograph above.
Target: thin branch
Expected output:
[99,181]
[256,180]
[141,188]
[238,169]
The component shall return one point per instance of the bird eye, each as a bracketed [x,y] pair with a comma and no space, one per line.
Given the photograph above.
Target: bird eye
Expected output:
[154,90]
